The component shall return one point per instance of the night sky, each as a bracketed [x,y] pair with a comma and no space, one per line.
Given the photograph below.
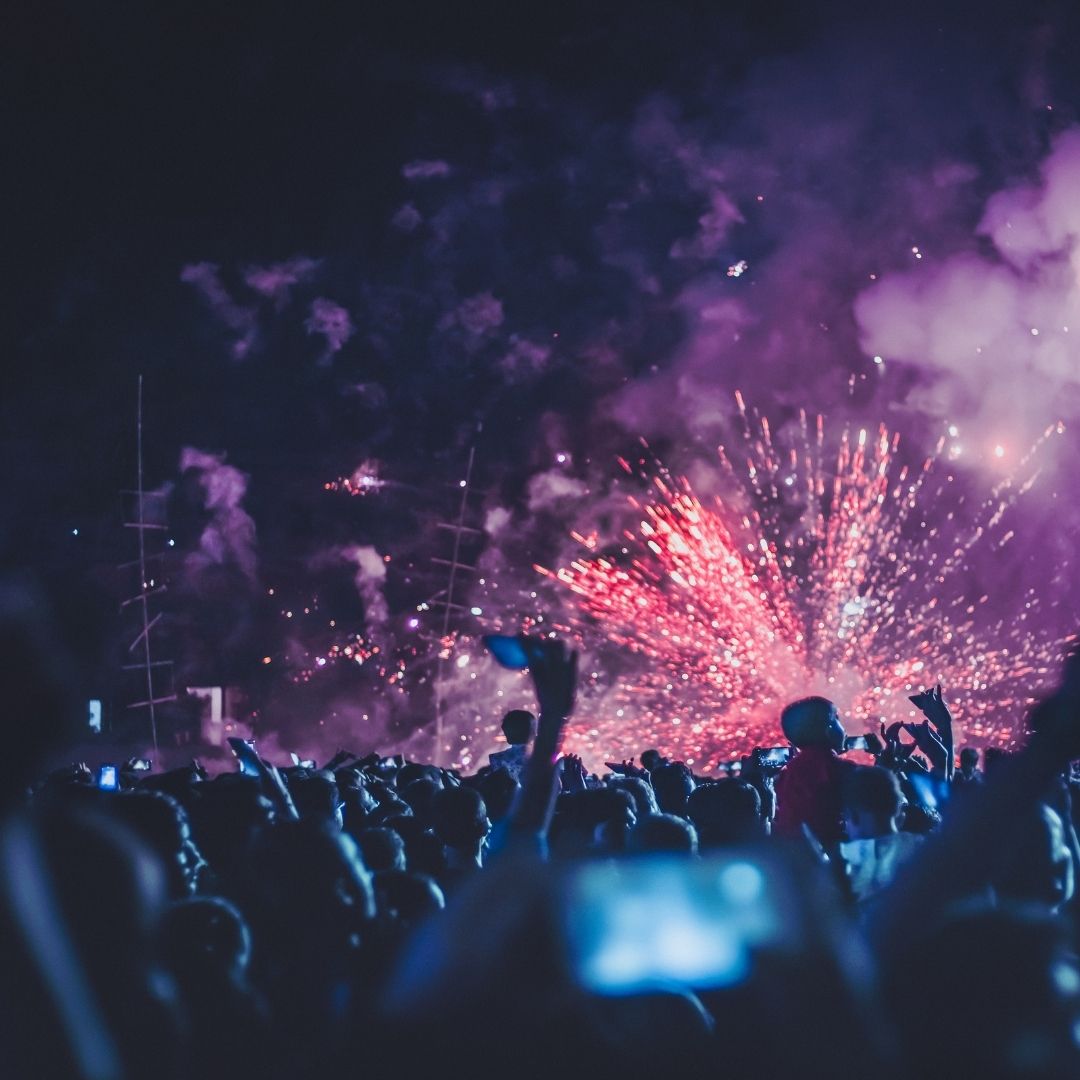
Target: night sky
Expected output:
[328,238]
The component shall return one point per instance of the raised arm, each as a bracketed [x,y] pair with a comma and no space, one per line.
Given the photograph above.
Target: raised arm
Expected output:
[554,673]
[932,705]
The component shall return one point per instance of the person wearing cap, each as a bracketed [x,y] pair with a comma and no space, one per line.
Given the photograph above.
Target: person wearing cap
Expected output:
[810,789]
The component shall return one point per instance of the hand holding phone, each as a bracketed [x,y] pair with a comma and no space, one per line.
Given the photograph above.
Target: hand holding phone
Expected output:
[774,757]
[247,759]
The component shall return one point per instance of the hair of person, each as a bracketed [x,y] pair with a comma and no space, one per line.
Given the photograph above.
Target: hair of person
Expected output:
[518,726]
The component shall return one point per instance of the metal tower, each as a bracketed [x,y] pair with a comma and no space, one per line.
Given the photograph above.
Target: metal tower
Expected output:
[148,587]
[444,598]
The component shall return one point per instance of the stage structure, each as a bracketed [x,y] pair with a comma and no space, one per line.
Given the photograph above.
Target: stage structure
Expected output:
[151,673]
[446,599]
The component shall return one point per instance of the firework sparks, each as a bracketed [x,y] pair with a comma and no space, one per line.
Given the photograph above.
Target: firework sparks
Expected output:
[363,480]
[818,573]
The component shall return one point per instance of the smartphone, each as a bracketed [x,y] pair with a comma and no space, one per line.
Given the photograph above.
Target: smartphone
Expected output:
[775,755]
[508,651]
[107,778]
[141,765]
[855,742]
[246,757]
[660,921]
[932,791]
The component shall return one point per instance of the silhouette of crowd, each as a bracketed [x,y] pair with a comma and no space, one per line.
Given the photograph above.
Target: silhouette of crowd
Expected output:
[796,914]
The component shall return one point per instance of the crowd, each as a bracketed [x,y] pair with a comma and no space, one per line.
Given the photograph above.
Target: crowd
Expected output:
[798,915]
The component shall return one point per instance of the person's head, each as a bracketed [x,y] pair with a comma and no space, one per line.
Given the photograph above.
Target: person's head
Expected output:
[420,794]
[407,897]
[161,823]
[460,817]
[672,784]
[317,798]
[518,726]
[969,759]
[640,791]
[424,852]
[205,936]
[381,849]
[662,833]
[651,759]
[110,886]
[499,790]
[813,721]
[728,812]
[872,802]
[1038,867]
[307,885]
[229,812]
[414,770]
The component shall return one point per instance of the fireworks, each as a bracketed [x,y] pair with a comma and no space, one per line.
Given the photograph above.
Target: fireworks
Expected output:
[815,573]
[363,480]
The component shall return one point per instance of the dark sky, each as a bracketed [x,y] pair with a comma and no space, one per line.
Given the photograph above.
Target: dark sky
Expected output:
[593,171]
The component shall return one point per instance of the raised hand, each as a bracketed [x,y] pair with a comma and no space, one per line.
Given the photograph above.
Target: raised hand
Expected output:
[572,773]
[627,768]
[928,741]
[895,753]
[554,674]
[932,705]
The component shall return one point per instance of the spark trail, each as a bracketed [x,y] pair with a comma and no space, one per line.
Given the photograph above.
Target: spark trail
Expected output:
[819,572]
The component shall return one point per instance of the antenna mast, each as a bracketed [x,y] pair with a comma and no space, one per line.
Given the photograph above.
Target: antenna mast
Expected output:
[147,587]
[445,597]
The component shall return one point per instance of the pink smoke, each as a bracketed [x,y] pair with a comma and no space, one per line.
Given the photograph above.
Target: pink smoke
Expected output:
[229,536]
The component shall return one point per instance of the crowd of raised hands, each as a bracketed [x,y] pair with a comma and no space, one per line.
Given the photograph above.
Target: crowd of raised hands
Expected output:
[854,904]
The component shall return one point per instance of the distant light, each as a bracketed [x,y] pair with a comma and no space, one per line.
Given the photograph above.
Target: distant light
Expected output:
[74,532]
[879,360]
[476,611]
[560,458]
[267,659]
[172,543]
[461,483]
[320,661]
[414,623]
[1034,332]
[999,451]
[953,430]
[743,882]
[462,661]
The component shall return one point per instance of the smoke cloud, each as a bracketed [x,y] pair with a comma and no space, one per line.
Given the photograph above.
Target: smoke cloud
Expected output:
[370,579]
[994,328]
[228,538]
[332,322]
